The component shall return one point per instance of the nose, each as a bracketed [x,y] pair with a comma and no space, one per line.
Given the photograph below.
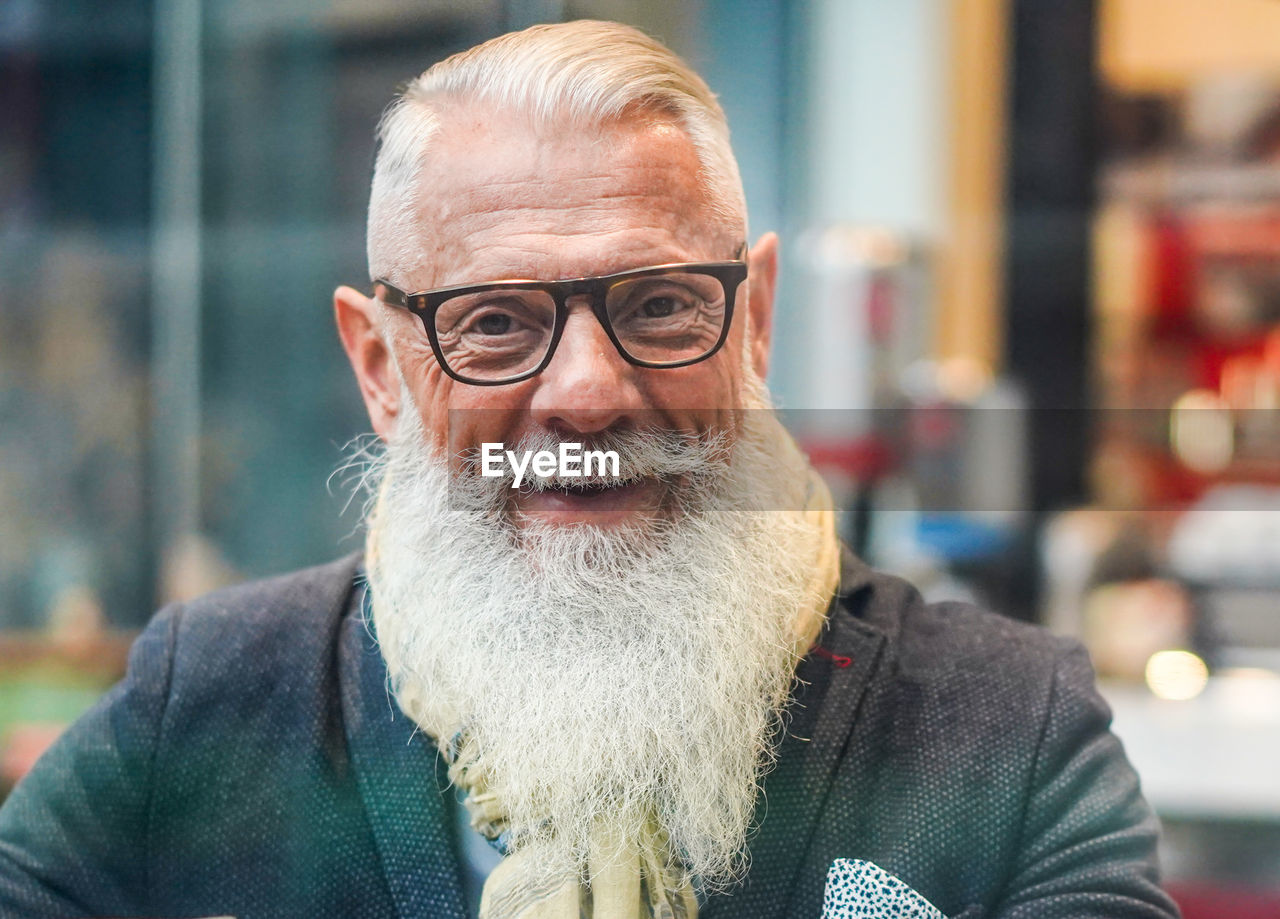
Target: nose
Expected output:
[588,386]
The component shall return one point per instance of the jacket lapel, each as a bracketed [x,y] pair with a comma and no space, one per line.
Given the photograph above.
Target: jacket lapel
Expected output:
[402,781]
[831,682]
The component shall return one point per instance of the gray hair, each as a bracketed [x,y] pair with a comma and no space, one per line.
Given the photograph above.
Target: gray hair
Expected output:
[585,72]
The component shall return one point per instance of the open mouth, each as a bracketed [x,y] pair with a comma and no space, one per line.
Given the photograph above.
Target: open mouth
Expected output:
[590,490]
[582,486]
[597,499]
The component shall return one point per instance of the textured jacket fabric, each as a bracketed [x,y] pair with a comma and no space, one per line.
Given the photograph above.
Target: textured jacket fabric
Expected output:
[252,764]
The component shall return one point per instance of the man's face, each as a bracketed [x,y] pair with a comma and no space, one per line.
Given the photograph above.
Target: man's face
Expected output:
[504,201]
[593,668]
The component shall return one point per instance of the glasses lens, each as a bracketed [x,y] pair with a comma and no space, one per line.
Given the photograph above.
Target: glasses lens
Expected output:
[495,334]
[667,318]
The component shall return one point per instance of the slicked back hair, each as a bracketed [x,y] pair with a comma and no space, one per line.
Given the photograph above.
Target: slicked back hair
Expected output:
[579,73]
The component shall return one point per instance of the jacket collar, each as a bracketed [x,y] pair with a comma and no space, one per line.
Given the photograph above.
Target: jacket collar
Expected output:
[830,684]
[402,780]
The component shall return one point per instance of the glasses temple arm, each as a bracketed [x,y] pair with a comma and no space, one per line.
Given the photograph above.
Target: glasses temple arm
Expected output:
[389,295]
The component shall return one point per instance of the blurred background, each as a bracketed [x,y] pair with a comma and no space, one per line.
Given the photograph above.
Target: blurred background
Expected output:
[1029,327]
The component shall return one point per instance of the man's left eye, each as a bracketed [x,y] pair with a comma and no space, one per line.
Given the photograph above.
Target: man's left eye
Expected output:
[495,324]
[660,307]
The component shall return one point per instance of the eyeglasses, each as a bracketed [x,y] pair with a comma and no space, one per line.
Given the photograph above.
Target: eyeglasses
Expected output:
[507,331]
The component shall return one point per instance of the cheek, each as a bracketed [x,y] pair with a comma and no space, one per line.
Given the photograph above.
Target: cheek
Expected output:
[457,418]
[694,398]
[475,415]
[430,389]
[715,383]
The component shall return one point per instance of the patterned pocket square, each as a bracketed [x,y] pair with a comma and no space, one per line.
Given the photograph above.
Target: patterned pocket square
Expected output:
[861,890]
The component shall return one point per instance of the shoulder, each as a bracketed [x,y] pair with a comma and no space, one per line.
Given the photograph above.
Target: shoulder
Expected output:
[241,635]
[269,609]
[967,664]
[961,636]
[261,603]
[948,638]
[968,722]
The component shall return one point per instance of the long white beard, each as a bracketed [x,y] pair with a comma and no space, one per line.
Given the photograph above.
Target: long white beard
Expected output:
[632,676]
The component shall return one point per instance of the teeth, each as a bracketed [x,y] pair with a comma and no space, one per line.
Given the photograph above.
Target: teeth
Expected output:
[590,486]
[577,484]
[585,487]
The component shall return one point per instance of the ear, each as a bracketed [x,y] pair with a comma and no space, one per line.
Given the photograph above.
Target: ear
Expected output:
[763,260]
[370,356]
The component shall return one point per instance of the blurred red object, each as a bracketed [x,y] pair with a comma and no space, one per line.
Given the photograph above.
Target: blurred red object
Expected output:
[865,458]
[1201,901]
[24,745]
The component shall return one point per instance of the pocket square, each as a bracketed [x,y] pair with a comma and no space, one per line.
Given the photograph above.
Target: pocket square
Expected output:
[861,890]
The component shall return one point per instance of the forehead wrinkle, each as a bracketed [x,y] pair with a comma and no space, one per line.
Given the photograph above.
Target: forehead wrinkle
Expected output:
[533,192]
[528,245]
[518,241]
[598,216]
[527,256]
[527,210]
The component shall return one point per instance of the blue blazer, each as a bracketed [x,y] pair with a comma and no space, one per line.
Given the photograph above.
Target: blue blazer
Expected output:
[252,764]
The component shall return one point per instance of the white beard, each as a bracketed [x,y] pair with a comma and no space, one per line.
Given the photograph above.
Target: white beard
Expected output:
[632,676]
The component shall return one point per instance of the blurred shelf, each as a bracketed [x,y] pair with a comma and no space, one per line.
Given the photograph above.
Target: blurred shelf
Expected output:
[1185,182]
[75,31]
[1210,757]
[248,21]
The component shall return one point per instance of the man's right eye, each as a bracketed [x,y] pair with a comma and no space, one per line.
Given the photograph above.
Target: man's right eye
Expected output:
[494,324]
[491,322]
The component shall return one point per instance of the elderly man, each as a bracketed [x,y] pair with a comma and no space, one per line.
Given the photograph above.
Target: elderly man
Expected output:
[650,690]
